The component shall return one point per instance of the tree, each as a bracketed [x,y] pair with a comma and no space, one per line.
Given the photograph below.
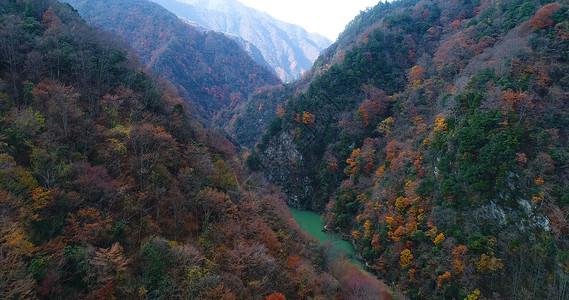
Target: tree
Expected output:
[488,264]
[543,16]
[109,265]
[60,102]
[417,74]
[10,52]
[442,278]
[308,118]
[458,253]
[406,258]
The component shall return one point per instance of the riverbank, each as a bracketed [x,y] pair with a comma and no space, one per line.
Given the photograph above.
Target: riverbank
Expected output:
[312,223]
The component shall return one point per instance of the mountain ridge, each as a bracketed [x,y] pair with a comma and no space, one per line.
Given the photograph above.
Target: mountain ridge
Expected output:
[208,68]
[288,48]
[434,133]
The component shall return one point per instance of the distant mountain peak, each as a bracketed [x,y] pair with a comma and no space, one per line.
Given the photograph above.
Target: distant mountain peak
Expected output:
[289,49]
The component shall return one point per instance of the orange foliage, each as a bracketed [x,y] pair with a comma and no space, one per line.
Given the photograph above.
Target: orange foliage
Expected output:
[543,17]
[293,261]
[280,111]
[276,296]
[375,241]
[352,160]
[411,274]
[458,253]
[446,276]
[411,227]
[355,234]
[396,236]
[417,73]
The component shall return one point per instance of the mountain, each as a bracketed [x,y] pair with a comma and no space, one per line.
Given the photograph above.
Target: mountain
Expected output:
[210,69]
[288,48]
[434,134]
[110,188]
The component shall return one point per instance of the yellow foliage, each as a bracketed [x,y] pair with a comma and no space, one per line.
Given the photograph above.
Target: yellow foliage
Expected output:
[362,198]
[440,123]
[389,221]
[401,203]
[539,181]
[439,238]
[367,224]
[385,126]
[433,232]
[405,258]
[474,295]
[488,264]
[18,241]
[308,118]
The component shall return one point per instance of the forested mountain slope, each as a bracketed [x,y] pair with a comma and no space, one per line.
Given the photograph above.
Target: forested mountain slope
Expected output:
[209,68]
[288,48]
[110,189]
[434,133]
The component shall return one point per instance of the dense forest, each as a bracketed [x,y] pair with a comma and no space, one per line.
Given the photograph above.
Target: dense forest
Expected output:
[434,135]
[210,70]
[110,188]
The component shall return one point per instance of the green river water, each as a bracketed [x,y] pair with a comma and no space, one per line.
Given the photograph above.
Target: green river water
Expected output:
[312,223]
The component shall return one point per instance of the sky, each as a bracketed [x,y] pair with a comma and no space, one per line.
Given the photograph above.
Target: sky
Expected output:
[326,17]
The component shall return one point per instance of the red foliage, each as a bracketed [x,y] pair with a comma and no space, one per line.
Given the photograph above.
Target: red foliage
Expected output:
[276,296]
[543,17]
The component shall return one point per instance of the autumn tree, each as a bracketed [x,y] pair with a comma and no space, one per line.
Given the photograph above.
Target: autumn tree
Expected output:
[110,265]
[416,75]
[543,16]
[308,118]
[60,102]
[405,258]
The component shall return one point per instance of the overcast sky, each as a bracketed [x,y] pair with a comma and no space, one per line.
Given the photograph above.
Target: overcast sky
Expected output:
[326,17]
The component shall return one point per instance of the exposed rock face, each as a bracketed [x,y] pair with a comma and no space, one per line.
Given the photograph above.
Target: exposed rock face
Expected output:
[282,163]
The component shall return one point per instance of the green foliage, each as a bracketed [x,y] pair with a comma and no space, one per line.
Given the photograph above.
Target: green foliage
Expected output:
[155,262]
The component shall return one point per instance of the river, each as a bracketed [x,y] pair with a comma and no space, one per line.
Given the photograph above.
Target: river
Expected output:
[312,223]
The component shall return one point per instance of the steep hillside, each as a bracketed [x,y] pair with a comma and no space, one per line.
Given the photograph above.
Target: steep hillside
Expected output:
[207,67]
[110,189]
[288,48]
[434,133]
